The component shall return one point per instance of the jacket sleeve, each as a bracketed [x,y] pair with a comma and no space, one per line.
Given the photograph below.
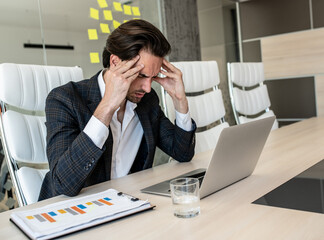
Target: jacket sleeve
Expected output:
[176,142]
[71,153]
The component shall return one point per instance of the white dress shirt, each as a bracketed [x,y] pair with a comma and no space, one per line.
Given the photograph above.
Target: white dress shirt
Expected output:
[127,136]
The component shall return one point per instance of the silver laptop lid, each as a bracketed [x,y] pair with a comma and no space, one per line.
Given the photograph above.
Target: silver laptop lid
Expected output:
[235,157]
[236,154]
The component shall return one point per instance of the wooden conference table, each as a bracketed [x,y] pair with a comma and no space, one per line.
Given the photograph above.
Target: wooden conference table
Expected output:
[227,214]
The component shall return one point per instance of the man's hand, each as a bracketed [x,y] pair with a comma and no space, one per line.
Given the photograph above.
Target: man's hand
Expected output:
[173,84]
[118,79]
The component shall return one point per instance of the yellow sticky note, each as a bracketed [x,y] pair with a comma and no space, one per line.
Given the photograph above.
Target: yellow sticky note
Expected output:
[30,217]
[102,3]
[118,6]
[61,211]
[104,28]
[108,15]
[94,13]
[136,11]
[94,57]
[92,33]
[89,203]
[116,24]
[127,10]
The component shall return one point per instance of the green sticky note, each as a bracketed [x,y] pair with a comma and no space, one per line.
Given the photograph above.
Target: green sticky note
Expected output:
[102,3]
[104,28]
[127,10]
[94,57]
[116,24]
[118,6]
[92,33]
[94,13]
[108,15]
[136,11]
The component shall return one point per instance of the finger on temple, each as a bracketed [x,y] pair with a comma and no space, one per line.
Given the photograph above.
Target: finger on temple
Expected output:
[127,64]
[134,70]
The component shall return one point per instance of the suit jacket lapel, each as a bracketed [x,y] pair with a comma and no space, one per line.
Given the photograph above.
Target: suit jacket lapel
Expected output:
[94,98]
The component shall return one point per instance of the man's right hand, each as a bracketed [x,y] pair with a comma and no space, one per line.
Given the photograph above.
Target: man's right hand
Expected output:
[118,79]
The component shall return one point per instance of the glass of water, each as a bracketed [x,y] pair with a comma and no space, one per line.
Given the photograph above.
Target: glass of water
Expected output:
[185,197]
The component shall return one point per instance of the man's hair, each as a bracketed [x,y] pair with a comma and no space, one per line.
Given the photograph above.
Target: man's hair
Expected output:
[132,36]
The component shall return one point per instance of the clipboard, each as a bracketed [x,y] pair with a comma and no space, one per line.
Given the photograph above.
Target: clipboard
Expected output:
[73,215]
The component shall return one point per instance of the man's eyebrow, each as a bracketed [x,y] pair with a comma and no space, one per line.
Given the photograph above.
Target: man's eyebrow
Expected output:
[144,75]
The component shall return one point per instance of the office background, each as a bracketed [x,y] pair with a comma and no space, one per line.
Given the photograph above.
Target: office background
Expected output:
[286,35]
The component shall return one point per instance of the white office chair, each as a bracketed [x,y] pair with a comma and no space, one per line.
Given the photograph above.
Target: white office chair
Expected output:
[23,91]
[205,100]
[249,96]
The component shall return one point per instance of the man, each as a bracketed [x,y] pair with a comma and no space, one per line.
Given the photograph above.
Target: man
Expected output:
[110,125]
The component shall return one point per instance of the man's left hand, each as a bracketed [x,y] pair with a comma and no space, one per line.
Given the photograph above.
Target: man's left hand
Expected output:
[173,84]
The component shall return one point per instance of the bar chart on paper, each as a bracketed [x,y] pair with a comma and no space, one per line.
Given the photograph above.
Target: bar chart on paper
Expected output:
[78,213]
[71,212]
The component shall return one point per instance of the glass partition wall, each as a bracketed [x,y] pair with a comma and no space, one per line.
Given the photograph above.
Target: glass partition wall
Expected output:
[66,33]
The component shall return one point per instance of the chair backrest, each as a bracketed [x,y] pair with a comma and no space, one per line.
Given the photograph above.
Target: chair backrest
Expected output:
[23,92]
[201,79]
[249,96]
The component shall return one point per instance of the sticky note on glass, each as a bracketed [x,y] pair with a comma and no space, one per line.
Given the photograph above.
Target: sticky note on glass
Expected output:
[127,10]
[94,57]
[108,15]
[102,3]
[116,24]
[94,13]
[92,33]
[118,6]
[136,11]
[104,28]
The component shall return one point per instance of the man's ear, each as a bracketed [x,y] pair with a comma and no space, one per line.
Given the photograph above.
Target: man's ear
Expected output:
[114,60]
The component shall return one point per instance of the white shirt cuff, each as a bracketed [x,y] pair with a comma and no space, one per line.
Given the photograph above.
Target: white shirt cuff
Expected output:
[96,131]
[183,120]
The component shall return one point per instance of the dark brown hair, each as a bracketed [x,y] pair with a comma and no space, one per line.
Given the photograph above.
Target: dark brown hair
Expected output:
[132,36]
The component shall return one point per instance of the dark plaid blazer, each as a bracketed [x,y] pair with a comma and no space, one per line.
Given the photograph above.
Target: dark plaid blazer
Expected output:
[76,162]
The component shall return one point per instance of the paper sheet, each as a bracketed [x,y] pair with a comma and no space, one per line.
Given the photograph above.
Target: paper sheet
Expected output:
[71,215]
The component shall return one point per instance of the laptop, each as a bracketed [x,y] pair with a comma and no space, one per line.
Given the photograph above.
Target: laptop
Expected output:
[235,157]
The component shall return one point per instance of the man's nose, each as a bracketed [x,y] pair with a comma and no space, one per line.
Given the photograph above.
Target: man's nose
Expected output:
[146,86]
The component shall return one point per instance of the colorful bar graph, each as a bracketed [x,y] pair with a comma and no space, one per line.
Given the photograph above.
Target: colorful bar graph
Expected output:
[74,210]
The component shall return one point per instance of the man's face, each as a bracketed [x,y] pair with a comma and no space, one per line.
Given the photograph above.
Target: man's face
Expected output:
[142,84]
